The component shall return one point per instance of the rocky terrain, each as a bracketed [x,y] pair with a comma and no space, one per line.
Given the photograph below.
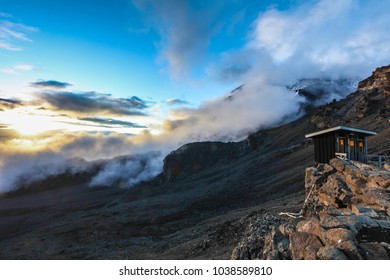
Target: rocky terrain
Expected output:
[347,216]
[212,196]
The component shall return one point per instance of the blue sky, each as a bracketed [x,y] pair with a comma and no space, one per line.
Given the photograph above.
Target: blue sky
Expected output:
[118,46]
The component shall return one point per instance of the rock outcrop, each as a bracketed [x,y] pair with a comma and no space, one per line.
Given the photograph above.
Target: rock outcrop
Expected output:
[194,157]
[369,105]
[379,80]
[347,216]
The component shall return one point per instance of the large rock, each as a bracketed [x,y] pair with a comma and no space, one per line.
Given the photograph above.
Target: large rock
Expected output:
[378,180]
[338,164]
[373,251]
[343,239]
[276,245]
[356,223]
[304,246]
[361,210]
[373,197]
[311,225]
[328,221]
[331,253]
[355,184]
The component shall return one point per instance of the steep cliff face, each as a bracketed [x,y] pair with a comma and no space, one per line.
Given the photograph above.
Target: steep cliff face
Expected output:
[368,107]
[194,157]
[379,80]
[347,216]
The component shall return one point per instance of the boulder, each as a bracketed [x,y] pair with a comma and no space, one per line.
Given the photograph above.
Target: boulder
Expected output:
[338,164]
[354,171]
[355,222]
[373,197]
[286,228]
[378,180]
[361,210]
[343,239]
[331,253]
[304,246]
[355,184]
[326,199]
[311,225]
[327,221]
[384,224]
[373,251]
[276,245]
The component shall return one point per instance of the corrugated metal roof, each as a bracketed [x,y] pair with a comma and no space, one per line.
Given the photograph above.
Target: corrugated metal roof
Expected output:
[367,132]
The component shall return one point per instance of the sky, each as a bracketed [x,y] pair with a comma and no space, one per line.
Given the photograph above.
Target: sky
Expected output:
[98,79]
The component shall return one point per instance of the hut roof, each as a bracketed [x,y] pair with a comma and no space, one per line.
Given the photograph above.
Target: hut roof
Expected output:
[346,128]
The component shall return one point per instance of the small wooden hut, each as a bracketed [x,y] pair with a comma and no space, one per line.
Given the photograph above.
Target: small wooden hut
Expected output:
[341,141]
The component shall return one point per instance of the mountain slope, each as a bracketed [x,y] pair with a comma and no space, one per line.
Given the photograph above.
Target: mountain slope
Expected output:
[204,199]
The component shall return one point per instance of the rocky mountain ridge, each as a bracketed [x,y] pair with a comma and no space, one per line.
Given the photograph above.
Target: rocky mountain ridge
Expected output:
[347,216]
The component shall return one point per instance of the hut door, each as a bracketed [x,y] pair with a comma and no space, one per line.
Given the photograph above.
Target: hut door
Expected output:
[341,145]
[360,150]
[352,149]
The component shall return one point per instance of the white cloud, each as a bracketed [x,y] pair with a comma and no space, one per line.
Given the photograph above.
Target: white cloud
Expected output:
[11,33]
[18,68]
[327,34]
[185,31]
[8,70]
[25,67]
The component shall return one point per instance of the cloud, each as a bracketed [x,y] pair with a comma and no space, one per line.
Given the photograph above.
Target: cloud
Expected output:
[330,36]
[128,171]
[50,84]
[5,15]
[108,122]
[17,68]
[176,102]
[25,67]
[6,134]
[9,103]
[186,31]
[231,118]
[12,32]
[93,102]
[7,70]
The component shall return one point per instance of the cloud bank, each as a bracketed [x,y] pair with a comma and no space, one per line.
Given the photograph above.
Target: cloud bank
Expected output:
[92,102]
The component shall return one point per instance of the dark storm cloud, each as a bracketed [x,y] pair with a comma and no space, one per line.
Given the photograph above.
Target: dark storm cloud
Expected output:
[93,102]
[6,103]
[12,101]
[50,84]
[108,122]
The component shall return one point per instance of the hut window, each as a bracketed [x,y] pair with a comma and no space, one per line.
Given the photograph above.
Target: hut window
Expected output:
[360,145]
[352,143]
[341,145]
